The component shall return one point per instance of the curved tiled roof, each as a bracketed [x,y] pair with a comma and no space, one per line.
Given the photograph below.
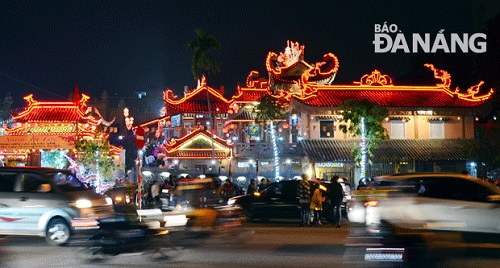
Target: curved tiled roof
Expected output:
[250,94]
[389,150]
[390,96]
[58,112]
[243,115]
[195,101]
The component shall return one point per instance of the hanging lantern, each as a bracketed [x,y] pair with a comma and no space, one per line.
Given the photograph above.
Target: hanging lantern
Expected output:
[285,125]
[280,130]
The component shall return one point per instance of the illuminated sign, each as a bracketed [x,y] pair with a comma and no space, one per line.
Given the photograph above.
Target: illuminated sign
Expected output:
[330,164]
[37,142]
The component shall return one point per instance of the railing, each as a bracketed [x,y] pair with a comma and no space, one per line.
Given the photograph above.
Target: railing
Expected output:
[263,149]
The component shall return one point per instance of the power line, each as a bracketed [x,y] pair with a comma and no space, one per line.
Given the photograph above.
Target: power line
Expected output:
[28,84]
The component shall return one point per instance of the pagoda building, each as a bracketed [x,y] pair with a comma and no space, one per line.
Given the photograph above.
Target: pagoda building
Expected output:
[45,131]
[430,128]
[190,135]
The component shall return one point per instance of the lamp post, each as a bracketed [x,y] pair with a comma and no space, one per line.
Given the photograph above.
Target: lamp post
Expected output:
[288,168]
[250,165]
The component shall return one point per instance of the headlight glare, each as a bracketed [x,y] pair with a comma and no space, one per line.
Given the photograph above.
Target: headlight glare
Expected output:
[83,203]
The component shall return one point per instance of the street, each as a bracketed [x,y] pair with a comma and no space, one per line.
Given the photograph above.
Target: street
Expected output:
[273,244]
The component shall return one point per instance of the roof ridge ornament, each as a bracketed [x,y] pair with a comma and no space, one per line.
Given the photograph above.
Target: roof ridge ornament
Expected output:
[375,79]
[446,83]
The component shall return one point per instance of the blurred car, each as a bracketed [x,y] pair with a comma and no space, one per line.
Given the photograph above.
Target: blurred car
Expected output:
[123,198]
[48,202]
[191,193]
[446,202]
[278,201]
[200,201]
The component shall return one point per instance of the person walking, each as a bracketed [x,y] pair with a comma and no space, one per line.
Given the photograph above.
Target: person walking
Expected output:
[304,193]
[251,187]
[336,196]
[316,205]
[155,194]
[228,190]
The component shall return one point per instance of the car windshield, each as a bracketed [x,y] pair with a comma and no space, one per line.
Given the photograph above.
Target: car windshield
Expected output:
[67,182]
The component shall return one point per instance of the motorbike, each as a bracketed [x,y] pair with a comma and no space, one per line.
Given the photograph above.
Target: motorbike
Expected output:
[121,237]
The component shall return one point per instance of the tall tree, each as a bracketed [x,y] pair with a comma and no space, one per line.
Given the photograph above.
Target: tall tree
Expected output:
[267,111]
[5,107]
[96,156]
[363,119]
[203,61]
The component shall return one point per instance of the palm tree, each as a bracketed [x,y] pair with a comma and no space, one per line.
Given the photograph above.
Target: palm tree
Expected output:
[202,48]
[204,62]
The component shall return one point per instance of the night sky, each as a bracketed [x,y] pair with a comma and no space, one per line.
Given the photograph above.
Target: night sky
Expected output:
[47,47]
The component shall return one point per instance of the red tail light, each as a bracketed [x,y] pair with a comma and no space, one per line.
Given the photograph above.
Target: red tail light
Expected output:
[371,203]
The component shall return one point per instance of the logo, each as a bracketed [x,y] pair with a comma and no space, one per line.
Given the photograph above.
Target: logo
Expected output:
[389,38]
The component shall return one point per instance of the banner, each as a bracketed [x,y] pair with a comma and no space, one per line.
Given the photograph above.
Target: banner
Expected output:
[46,142]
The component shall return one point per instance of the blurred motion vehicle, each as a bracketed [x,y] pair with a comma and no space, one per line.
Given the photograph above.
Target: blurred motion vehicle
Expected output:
[200,200]
[119,236]
[422,202]
[48,202]
[123,198]
[278,201]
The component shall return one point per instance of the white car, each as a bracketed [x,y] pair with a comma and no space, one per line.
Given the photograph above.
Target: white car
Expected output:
[428,202]
[47,202]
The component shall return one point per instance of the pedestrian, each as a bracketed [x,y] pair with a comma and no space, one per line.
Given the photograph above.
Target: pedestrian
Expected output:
[336,196]
[304,193]
[251,187]
[228,190]
[262,185]
[316,205]
[155,194]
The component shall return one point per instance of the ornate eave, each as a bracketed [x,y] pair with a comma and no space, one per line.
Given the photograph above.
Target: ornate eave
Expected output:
[195,101]
[249,95]
[55,111]
[55,117]
[155,121]
[379,89]
[185,147]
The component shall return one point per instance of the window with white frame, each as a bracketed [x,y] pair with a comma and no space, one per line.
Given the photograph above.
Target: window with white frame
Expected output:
[436,129]
[398,129]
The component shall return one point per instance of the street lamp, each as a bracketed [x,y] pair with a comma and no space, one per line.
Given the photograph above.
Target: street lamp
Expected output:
[288,167]
[250,166]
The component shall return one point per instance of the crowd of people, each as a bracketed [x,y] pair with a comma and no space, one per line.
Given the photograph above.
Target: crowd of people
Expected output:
[311,199]
[311,195]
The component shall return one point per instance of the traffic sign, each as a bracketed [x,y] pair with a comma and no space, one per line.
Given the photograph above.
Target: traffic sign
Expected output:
[139,137]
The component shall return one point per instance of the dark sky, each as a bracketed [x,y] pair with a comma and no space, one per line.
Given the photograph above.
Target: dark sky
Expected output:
[47,47]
